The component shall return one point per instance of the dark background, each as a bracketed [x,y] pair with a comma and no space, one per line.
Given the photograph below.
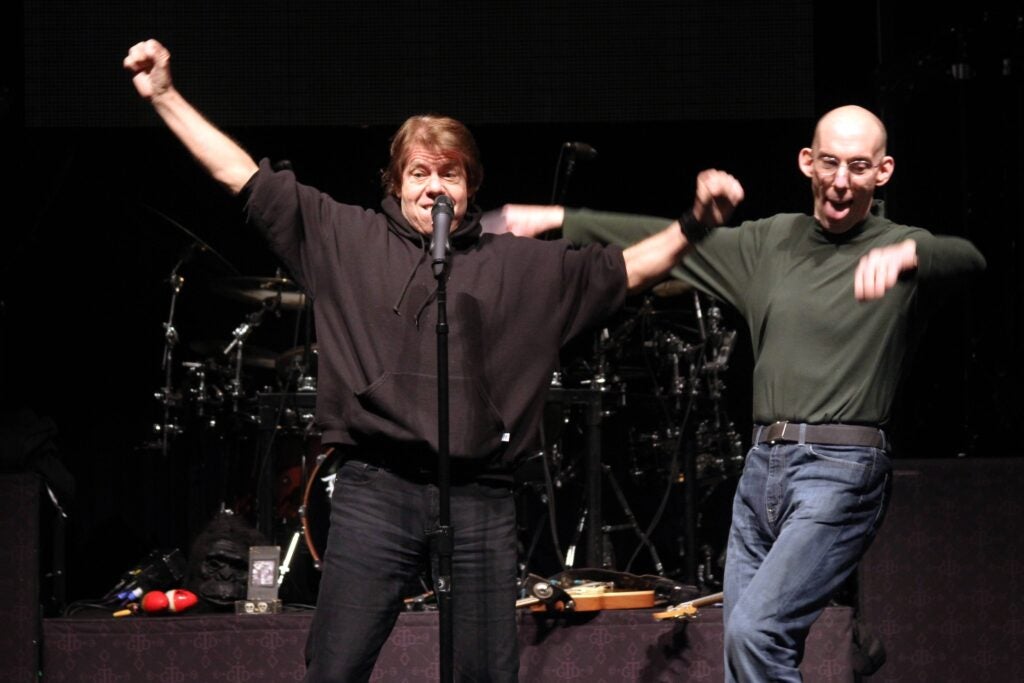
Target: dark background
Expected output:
[100,196]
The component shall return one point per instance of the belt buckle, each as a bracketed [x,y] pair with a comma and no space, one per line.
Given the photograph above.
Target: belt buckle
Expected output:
[777,432]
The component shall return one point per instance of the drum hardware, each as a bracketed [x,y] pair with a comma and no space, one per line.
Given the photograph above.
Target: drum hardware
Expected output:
[197,390]
[298,367]
[647,451]
[167,395]
[685,440]
[240,334]
[287,412]
[166,429]
[630,525]
[286,293]
[719,450]
[255,356]
[674,350]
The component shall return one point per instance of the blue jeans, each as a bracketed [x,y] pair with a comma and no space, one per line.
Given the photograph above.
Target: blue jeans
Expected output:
[376,545]
[803,516]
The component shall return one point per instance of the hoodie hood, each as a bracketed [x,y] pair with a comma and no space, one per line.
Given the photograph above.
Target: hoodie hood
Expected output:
[465,236]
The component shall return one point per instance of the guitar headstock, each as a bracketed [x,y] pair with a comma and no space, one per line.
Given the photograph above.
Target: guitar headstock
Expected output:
[687,610]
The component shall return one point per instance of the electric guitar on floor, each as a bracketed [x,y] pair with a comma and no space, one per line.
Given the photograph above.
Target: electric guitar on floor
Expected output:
[689,609]
[588,597]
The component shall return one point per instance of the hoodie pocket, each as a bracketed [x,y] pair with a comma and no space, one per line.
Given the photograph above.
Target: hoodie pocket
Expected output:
[403,406]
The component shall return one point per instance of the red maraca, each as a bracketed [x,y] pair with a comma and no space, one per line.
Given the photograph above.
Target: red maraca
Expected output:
[180,600]
[177,600]
[155,602]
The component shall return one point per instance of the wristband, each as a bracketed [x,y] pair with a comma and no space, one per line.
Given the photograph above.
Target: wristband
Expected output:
[692,229]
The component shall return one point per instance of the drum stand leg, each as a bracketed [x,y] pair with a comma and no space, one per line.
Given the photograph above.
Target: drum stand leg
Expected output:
[570,554]
[605,530]
[659,568]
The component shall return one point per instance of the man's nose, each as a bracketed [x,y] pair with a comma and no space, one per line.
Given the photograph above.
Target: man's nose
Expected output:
[842,178]
[434,186]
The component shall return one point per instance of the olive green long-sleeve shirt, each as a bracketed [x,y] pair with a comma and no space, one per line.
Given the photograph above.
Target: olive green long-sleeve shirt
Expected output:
[820,356]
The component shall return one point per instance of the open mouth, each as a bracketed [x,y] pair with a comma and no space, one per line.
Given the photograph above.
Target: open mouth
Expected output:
[838,208]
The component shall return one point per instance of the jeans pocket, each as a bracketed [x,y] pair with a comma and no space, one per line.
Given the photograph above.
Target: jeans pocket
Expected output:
[860,466]
[358,473]
[861,457]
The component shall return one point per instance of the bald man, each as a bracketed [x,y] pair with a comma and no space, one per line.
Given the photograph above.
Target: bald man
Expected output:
[835,303]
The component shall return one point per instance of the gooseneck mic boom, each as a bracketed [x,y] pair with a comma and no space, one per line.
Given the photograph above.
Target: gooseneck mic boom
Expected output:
[570,153]
[442,215]
[581,150]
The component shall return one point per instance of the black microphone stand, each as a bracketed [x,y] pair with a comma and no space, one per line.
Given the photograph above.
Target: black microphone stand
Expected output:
[442,540]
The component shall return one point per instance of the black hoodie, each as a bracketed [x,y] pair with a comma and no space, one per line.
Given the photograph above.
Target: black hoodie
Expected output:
[512,303]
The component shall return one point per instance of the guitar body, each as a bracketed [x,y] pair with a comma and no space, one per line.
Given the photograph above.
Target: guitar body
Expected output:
[585,600]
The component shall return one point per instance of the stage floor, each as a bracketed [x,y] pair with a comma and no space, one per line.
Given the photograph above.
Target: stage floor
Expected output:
[611,646]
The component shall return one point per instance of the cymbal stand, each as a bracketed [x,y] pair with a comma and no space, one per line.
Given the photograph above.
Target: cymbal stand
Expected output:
[241,333]
[659,568]
[307,380]
[718,346]
[166,395]
[678,350]
[606,343]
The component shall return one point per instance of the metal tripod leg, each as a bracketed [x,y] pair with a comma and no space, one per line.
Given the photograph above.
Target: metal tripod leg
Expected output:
[640,534]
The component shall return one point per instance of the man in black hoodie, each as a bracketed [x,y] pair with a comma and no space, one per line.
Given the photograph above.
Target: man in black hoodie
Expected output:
[512,304]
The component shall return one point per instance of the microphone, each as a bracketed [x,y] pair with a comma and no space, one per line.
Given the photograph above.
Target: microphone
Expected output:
[442,215]
[581,150]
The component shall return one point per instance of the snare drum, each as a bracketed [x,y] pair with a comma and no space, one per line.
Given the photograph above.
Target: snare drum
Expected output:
[316,503]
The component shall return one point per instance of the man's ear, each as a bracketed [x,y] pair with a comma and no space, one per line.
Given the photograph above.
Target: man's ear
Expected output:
[805,160]
[885,170]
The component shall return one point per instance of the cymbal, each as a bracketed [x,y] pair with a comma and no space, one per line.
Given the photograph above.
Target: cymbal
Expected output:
[196,245]
[260,289]
[253,356]
[292,358]
[670,288]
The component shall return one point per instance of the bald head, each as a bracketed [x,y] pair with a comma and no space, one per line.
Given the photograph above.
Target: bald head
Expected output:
[845,163]
[852,121]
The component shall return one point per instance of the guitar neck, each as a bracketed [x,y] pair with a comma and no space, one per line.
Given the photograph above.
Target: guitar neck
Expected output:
[688,610]
[712,599]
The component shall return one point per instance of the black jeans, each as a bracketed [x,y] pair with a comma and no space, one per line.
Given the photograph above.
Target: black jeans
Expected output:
[378,538]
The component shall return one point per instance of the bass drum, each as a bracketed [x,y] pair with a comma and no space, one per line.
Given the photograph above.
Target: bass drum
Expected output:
[316,503]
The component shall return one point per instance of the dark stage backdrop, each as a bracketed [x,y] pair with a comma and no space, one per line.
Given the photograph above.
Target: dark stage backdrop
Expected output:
[363,63]
[101,195]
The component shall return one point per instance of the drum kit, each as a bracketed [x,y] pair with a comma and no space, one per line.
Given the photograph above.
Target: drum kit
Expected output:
[639,411]
[657,372]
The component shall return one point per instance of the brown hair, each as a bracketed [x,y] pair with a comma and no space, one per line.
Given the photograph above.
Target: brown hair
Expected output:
[439,134]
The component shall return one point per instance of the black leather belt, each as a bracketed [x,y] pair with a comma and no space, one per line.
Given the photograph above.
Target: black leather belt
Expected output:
[830,434]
